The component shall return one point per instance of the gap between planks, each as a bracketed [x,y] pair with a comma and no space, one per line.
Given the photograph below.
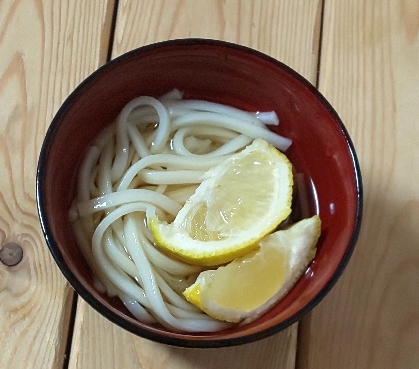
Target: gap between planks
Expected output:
[317,33]
[102,60]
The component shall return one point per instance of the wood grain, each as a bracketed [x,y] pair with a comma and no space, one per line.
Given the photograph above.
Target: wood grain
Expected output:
[286,30]
[370,73]
[46,48]
[100,344]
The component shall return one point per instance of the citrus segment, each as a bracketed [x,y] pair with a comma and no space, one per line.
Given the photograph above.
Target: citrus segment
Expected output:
[249,286]
[238,202]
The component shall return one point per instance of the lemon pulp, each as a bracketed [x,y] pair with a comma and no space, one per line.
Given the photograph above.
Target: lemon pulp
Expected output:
[230,210]
[251,275]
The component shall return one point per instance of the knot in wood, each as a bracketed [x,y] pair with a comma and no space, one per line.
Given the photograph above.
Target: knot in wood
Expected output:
[11,254]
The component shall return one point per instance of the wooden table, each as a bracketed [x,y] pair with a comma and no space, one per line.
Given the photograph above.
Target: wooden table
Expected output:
[363,55]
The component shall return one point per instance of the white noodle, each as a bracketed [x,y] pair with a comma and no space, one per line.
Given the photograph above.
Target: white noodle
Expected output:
[128,196]
[150,161]
[171,177]
[138,141]
[267,117]
[207,106]
[169,161]
[245,127]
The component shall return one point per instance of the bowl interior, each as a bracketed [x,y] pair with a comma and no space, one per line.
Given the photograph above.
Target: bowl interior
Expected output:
[227,74]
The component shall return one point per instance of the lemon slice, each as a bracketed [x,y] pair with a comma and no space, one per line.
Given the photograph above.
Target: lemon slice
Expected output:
[249,286]
[239,201]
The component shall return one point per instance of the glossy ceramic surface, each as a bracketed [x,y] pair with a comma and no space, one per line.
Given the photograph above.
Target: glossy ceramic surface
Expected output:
[225,73]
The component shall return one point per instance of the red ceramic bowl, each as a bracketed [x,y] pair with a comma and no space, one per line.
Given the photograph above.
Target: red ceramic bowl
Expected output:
[229,74]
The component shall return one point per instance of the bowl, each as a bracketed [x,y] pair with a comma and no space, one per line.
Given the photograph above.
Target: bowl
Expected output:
[229,74]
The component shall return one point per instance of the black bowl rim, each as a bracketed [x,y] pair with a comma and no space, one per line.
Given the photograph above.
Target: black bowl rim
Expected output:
[187,341]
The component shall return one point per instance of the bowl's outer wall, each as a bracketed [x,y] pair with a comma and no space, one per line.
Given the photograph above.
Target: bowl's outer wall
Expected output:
[226,74]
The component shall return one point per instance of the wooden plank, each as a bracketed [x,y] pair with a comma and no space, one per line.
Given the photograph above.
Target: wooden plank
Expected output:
[98,343]
[370,73]
[286,30]
[46,48]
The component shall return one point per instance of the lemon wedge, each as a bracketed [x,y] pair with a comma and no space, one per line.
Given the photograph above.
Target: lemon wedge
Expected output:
[239,201]
[247,287]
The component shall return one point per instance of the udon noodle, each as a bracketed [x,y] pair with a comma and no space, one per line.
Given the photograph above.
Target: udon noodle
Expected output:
[151,159]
